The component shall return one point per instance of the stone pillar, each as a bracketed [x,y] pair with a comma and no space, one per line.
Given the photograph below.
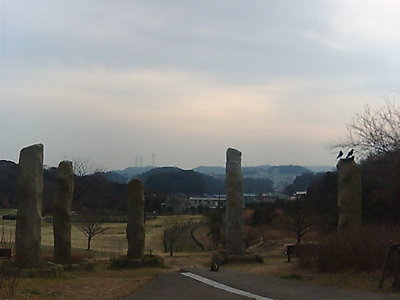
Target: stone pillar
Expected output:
[349,194]
[234,243]
[135,228]
[62,212]
[30,197]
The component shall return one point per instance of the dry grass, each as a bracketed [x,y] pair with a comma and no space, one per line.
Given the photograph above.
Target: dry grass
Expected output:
[361,249]
[100,284]
[181,260]
[113,241]
[104,283]
[275,264]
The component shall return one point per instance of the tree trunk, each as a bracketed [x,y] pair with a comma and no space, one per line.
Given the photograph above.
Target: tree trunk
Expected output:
[298,239]
[88,243]
[165,242]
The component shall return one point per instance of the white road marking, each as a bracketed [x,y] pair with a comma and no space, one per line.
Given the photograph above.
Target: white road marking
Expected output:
[224,287]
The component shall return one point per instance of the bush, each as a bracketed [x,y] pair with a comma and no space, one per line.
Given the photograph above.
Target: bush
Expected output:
[259,259]
[126,262]
[87,266]
[152,261]
[9,274]
[361,249]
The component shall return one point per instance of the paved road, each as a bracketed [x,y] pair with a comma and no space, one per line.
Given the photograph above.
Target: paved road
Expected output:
[175,286]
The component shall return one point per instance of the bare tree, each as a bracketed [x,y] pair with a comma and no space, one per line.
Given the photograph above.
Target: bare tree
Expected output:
[88,178]
[174,229]
[91,224]
[373,131]
[296,218]
[83,167]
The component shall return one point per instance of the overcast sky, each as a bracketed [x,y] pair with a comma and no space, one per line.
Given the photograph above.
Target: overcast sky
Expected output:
[111,80]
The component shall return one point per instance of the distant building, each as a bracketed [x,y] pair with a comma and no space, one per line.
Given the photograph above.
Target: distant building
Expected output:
[298,195]
[210,202]
[213,201]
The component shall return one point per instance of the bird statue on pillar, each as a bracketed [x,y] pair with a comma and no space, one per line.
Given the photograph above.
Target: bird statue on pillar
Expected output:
[340,154]
[350,154]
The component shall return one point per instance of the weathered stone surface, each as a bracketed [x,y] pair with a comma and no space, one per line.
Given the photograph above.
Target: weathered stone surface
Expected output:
[234,203]
[135,229]
[62,212]
[349,194]
[29,215]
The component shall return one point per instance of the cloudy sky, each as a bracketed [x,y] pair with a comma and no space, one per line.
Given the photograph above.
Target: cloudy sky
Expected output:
[111,80]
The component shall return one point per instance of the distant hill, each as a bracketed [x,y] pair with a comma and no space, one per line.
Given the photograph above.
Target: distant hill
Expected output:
[8,179]
[280,176]
[213,171]
[160,170]
[319,169]
[133,171]
[175,180]
[123,176]
[189,182]
[116,177]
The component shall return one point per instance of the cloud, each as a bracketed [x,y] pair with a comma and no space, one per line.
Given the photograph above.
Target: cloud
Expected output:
[357,26]
[90,107]
[111,79]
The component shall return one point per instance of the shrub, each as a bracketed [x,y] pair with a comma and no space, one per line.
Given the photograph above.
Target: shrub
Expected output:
[361,249]
[259,259]
[9,274]
[126,262]
[152,261]
[87,266]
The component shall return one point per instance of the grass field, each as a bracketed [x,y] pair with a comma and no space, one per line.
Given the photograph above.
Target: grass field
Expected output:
[103,283]
[113,241]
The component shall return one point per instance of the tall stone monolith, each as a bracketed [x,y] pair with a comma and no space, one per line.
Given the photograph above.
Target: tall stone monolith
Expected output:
[62,212]
[349,194]
[234,243]
[135,228]
[30,197]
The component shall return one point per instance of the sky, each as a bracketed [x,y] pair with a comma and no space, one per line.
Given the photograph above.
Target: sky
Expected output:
[109,81]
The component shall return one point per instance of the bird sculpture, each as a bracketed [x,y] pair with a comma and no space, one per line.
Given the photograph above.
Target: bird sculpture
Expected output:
[340,154]
[350,154]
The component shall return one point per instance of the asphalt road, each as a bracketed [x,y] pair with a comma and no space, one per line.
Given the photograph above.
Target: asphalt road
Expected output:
[176,286]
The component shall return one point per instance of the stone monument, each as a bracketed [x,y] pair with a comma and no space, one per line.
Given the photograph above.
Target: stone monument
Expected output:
[234,242]
[62,212]
[30,197]
[135,229]
[349,194]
